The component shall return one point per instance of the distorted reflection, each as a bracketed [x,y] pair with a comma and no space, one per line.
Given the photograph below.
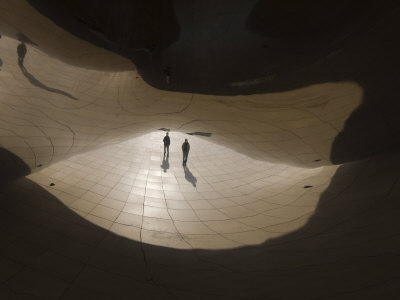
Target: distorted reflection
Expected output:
[165,163]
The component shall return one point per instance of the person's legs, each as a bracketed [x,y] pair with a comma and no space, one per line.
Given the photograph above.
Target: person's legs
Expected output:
[185,157]
[166,149]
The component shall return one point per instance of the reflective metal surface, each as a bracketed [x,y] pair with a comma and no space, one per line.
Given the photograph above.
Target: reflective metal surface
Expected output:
[290,189]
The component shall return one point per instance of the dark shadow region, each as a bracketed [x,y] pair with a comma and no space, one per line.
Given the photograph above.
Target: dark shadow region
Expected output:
[133,28]
[164,129]
[189,176]
[207,134]
[12,167]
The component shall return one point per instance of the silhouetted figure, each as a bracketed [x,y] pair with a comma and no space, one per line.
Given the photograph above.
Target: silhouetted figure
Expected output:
[189,176]
[24,39]
[1,63]
[166,141]
[21,51]
[167,73]
[185,150]
[165,164]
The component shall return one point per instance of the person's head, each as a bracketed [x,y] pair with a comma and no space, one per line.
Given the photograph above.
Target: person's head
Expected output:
[185,140]
[167,132]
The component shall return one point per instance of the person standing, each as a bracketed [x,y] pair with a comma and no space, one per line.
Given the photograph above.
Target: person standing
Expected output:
[185,150]
[166,141]
[21,51]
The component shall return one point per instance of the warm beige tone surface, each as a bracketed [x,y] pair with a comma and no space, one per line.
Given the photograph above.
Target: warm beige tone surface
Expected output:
[223,199]
[260,212]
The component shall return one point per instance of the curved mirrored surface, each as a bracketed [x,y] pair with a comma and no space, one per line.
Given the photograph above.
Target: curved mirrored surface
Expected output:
[290,185]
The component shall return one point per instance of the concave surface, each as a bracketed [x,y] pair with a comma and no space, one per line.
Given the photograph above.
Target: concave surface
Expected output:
[270,95]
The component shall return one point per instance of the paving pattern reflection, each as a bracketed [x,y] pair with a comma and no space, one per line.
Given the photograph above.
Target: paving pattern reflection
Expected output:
[222,199]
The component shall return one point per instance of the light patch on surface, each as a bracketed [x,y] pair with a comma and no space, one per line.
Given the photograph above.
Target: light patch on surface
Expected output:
[223,199]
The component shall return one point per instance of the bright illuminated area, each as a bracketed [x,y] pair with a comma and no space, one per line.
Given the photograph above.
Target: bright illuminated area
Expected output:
[288,185]
[221,199]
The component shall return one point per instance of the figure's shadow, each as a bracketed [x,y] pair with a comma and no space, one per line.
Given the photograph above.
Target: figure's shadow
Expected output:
[22,51]
[189,176]
[165,163]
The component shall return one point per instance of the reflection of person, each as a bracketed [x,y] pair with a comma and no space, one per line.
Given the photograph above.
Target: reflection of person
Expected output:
[21,51]
[185,150]
[165,164]
[166,141]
